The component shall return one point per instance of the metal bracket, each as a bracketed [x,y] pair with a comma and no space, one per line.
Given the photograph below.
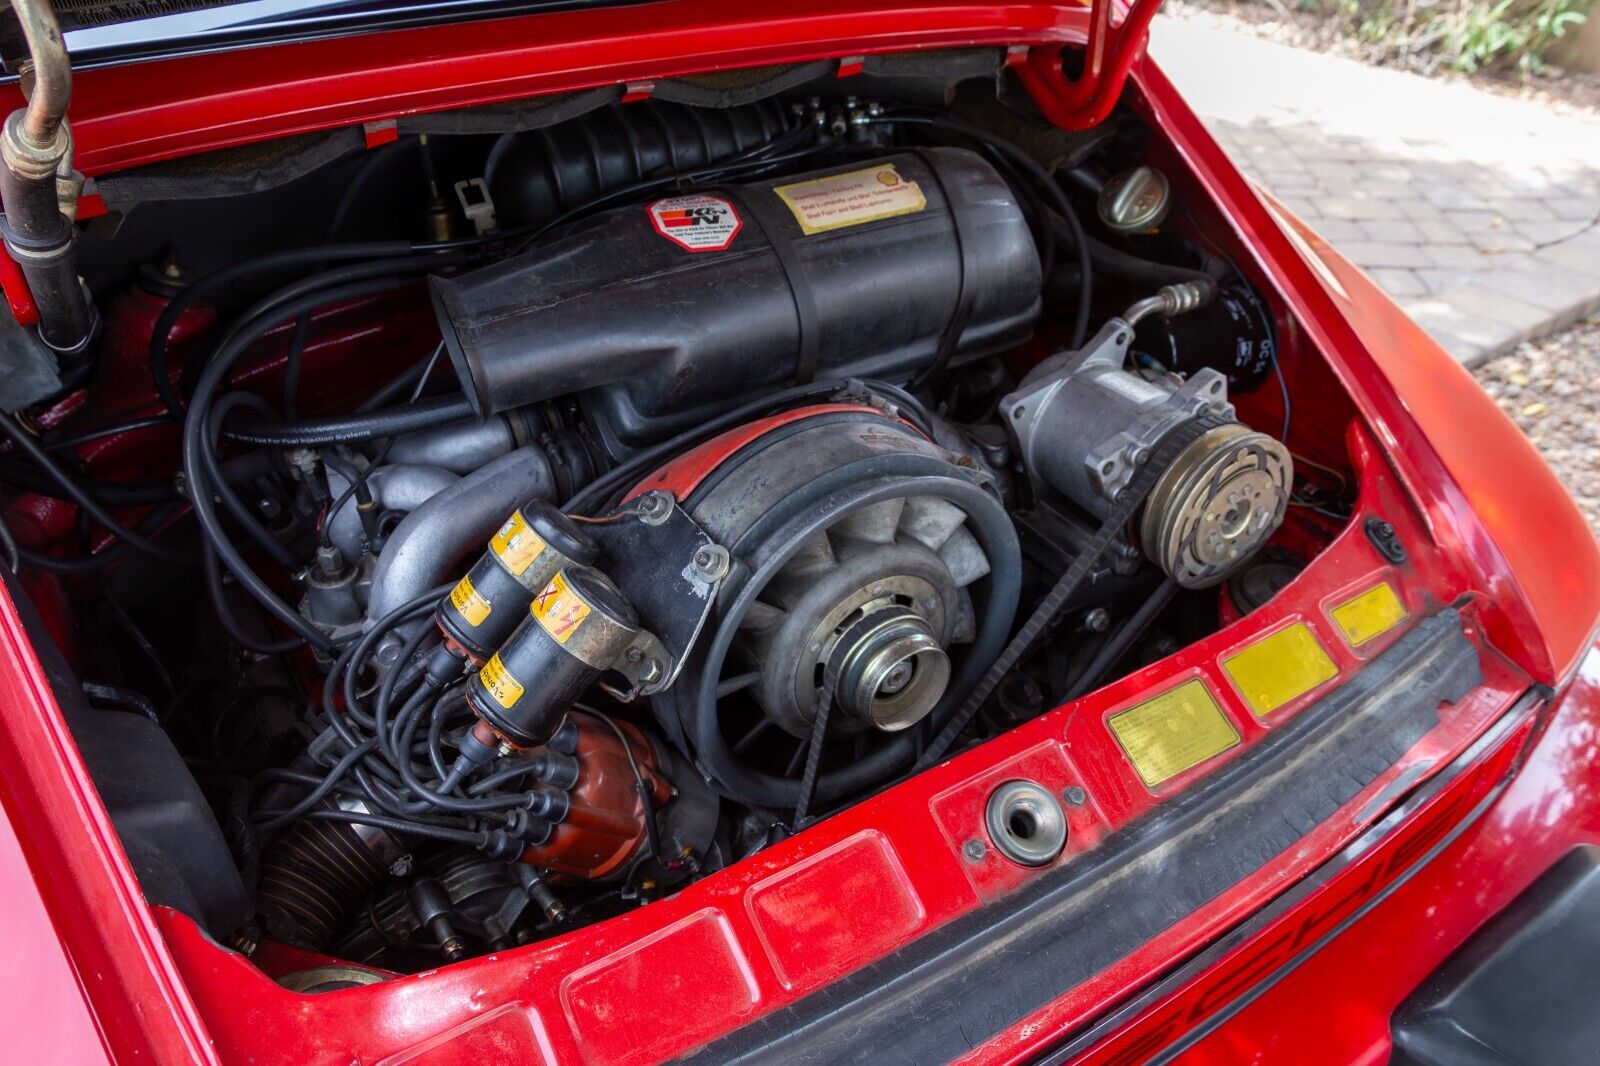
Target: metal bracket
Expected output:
[669,569]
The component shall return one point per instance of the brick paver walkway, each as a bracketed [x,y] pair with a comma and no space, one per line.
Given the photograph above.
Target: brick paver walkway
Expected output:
[1480,213]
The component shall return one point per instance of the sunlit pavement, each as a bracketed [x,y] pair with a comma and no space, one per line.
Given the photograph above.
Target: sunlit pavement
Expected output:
[1478,212]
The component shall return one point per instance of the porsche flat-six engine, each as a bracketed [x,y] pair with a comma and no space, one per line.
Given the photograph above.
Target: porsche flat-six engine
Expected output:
[693,474]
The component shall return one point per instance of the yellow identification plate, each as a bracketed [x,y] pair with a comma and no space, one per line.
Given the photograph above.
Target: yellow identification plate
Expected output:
[499,683]
[841,200]
[559,610]
[469,602]
[1369,615]
[1176,730]
[516,545]
[1279,668]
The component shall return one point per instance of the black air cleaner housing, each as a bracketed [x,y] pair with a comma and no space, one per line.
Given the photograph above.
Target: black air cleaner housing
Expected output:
[662,310]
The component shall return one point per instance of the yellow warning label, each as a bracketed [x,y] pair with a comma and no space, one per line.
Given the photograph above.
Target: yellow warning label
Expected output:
[1279,668]
[469,602]
[1176,730]
[559,610]
[841,200]
[516,544]
[498,682]
[1369,615]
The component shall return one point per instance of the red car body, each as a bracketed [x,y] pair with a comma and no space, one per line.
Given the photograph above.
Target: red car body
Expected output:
[1305,959]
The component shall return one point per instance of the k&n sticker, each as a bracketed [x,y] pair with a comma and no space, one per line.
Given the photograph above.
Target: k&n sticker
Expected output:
[696,223]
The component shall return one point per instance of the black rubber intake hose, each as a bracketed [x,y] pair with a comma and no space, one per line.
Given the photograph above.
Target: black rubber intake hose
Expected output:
[537,175]
[314,877]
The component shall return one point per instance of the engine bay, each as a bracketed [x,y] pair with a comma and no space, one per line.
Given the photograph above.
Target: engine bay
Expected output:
[490,532]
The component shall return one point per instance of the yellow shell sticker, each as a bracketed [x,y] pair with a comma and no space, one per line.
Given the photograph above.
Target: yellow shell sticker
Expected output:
[559,610]
[1173,732]
[469,602]
[516,544]
[1280,668]
[1369,615]
[498,682]
[841,200]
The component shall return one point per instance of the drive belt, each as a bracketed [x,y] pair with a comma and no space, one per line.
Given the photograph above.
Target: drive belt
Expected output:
[1122,511]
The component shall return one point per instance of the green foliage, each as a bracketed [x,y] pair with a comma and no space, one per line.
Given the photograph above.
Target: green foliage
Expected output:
[1463,35]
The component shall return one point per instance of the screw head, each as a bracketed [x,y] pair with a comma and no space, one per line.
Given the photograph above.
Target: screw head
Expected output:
[974,850]
[1074,796]
[1097,620]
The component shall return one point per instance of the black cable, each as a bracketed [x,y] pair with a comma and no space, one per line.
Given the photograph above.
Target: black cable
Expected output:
[219,601]
[91,564]
[219,486]
[353,428]
[8,544]
[277,821]
[1032,168]
[446,834]
[75,492]
[89,436]
[194,429]
[220,280]
[267,306]
[1120,641]
[408,719]
[358,483]
[416,374]
[111,493]
[123,699]
[291,366]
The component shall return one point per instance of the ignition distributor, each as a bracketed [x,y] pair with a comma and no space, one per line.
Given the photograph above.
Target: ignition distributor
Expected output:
[1085,425]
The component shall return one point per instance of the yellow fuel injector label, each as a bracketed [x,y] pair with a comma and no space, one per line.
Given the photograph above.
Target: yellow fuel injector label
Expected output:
[559,610]
[1173,732]
[1370,615]
[516,545]
[498,682]
[1280,668]
[469,602]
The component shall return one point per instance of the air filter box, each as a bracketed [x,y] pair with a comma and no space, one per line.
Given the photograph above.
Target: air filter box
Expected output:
[661,312]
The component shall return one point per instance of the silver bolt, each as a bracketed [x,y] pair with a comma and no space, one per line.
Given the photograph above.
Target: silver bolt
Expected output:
[401,867]
[1097,620]
[650,670]
[974,850]
[655,507]
[634,654]
[1074,796]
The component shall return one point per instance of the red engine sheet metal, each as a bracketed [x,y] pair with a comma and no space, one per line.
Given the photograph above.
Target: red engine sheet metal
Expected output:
[684,474]
[669,977]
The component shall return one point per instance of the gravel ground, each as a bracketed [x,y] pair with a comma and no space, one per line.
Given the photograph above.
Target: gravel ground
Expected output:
[1548,388]
[1563,91]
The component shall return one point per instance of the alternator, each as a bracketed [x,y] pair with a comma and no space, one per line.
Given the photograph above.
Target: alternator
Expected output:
[1084,425]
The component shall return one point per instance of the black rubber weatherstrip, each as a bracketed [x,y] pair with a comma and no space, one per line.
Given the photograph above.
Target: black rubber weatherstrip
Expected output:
[1082,1041]
[960,985]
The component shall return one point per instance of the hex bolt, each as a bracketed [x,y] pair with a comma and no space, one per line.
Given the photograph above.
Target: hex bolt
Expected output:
[974,850]
[1074,796]
[1097,620]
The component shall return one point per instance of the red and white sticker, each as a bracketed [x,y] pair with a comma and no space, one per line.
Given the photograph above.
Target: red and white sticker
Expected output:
[696,223]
